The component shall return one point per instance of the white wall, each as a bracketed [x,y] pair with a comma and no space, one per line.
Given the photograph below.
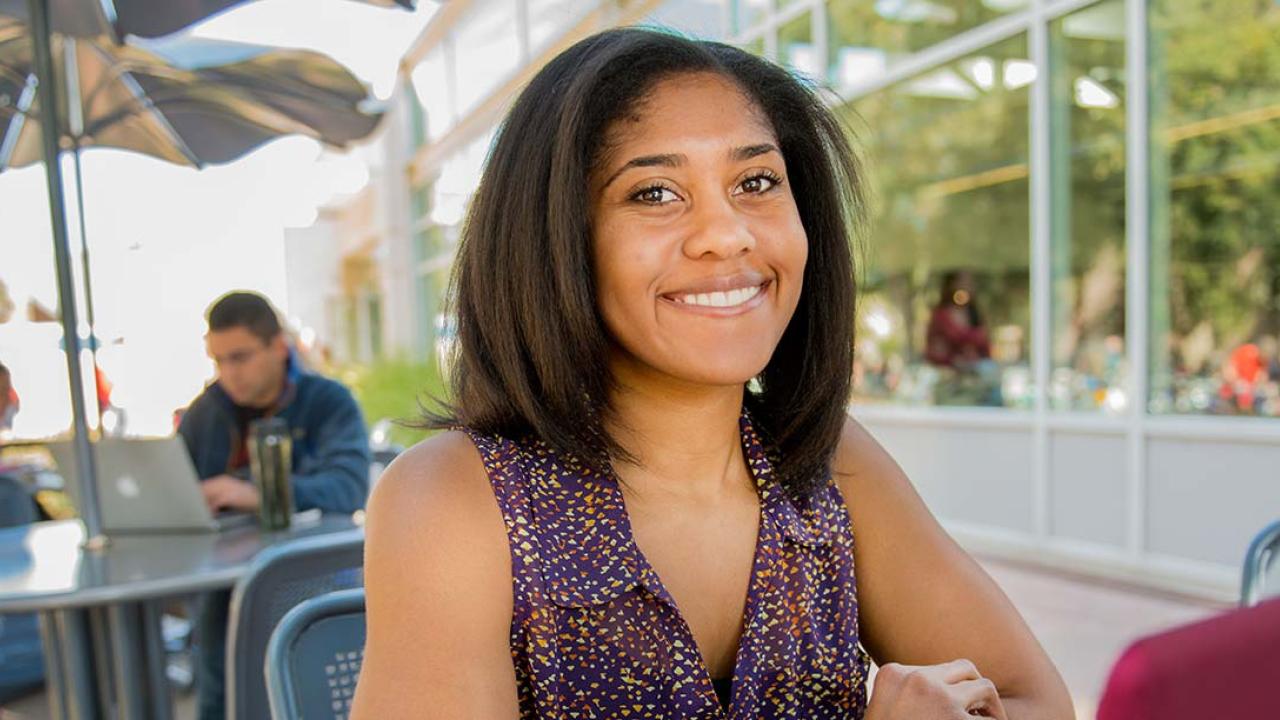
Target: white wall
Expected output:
[1182,522]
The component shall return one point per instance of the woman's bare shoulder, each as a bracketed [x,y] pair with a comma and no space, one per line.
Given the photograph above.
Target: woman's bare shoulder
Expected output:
[886,511]
[438,589]
[860,459]
[433,503]
[442,475]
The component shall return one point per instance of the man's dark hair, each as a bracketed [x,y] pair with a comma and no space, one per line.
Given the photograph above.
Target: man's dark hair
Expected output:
[532,346]
[246,310]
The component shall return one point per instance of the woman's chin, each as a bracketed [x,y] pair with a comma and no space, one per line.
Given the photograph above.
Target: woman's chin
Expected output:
[732,372]
[693,364]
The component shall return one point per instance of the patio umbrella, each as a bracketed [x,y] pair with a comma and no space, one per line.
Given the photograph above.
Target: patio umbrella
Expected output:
[193,103]
[142,18]
[187,101]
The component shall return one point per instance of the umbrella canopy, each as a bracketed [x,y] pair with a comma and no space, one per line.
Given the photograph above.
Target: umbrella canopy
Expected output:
[143,18]
[188,101]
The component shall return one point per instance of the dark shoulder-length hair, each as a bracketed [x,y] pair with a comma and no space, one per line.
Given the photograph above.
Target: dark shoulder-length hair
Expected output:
[531,354]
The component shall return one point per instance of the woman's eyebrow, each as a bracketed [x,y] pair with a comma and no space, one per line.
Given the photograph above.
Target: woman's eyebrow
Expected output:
[666,160]
[746,152]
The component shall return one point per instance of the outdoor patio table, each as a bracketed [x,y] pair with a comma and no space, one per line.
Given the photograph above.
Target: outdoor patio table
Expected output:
[100,610]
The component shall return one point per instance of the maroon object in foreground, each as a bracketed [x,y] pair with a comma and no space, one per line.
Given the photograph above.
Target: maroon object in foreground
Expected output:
[1226,667]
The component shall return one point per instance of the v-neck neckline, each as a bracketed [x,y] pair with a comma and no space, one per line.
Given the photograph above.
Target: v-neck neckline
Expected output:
[766,535]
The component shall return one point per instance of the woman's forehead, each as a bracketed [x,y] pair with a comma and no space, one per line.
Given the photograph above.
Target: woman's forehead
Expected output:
[687,107]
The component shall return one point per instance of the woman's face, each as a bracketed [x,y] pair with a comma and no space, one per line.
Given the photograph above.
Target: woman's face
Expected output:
[698,247]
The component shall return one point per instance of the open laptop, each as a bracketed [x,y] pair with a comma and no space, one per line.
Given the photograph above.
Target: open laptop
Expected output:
[146,485]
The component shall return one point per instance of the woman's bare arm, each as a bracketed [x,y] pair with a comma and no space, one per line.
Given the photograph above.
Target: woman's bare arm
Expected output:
[438,589]
[923,600]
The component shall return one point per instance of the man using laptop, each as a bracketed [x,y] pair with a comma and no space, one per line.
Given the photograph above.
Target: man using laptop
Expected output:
[259,376]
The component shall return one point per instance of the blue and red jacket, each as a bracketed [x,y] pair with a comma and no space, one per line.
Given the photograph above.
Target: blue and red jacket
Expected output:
[330,443]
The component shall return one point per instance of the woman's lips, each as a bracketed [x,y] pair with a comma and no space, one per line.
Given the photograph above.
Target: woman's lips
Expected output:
[719,303]
[720,283]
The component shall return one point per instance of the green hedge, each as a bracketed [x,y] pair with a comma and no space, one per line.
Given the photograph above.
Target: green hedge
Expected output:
[395,389]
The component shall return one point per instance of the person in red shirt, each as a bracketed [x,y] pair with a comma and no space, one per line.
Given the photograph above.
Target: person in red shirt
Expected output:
[956,336]
[103,387]
[9,403]
[1243,375]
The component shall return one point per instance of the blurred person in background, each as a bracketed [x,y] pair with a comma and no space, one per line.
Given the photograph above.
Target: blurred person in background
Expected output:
[259,376]
[1244,379]
[957,336]
[9,402]
[958,340]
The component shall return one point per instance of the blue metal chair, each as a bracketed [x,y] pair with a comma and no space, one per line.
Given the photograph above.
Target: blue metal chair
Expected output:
[1262,567]
[314,657]
[21,658]
[379,459]
[281,578]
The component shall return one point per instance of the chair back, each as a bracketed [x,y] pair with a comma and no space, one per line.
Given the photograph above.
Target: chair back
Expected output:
[379,459]
[314,657]
[1262,567]
[280,578]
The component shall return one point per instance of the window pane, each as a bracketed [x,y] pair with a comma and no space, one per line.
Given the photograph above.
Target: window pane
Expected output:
[747,14]
[548,19]
[1088,241]
[945,298]
[417,121]
[703,19]
[487,51]
[419,203]
[459,178]
[429,243]
[796,49]
[866,37]
[443,329]
[1215,278]
[374,313]
[432,88]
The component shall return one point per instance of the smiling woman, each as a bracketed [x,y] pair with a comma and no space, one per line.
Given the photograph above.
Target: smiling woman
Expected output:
[647,504]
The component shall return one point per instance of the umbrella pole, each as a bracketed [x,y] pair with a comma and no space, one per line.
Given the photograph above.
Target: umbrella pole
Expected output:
[85,461]
[88,283]
[75,122]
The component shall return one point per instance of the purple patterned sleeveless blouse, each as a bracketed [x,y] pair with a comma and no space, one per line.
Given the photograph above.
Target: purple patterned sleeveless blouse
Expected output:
[594,634]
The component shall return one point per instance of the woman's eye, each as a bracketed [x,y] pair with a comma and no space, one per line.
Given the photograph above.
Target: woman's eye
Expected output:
[656,195]
[758,184]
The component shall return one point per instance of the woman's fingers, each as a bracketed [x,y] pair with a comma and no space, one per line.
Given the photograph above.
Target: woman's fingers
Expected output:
[957,671]
[979,694]
[952,690]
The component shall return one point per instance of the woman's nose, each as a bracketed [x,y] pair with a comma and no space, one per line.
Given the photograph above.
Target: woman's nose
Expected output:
[719,230]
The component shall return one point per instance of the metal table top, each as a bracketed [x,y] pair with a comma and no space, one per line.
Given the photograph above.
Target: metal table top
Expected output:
[44,567]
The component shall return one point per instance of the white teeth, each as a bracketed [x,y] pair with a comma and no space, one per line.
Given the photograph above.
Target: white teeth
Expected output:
[721,299]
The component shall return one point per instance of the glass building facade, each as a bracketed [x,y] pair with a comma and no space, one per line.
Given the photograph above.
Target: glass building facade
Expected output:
[1071,274]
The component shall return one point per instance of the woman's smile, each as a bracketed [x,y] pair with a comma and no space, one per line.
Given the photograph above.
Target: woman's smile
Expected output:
[736,299]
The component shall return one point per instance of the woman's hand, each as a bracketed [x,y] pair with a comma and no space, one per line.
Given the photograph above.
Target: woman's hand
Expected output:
[951,691]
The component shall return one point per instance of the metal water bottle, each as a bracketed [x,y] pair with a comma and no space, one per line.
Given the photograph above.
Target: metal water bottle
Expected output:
[270,462]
